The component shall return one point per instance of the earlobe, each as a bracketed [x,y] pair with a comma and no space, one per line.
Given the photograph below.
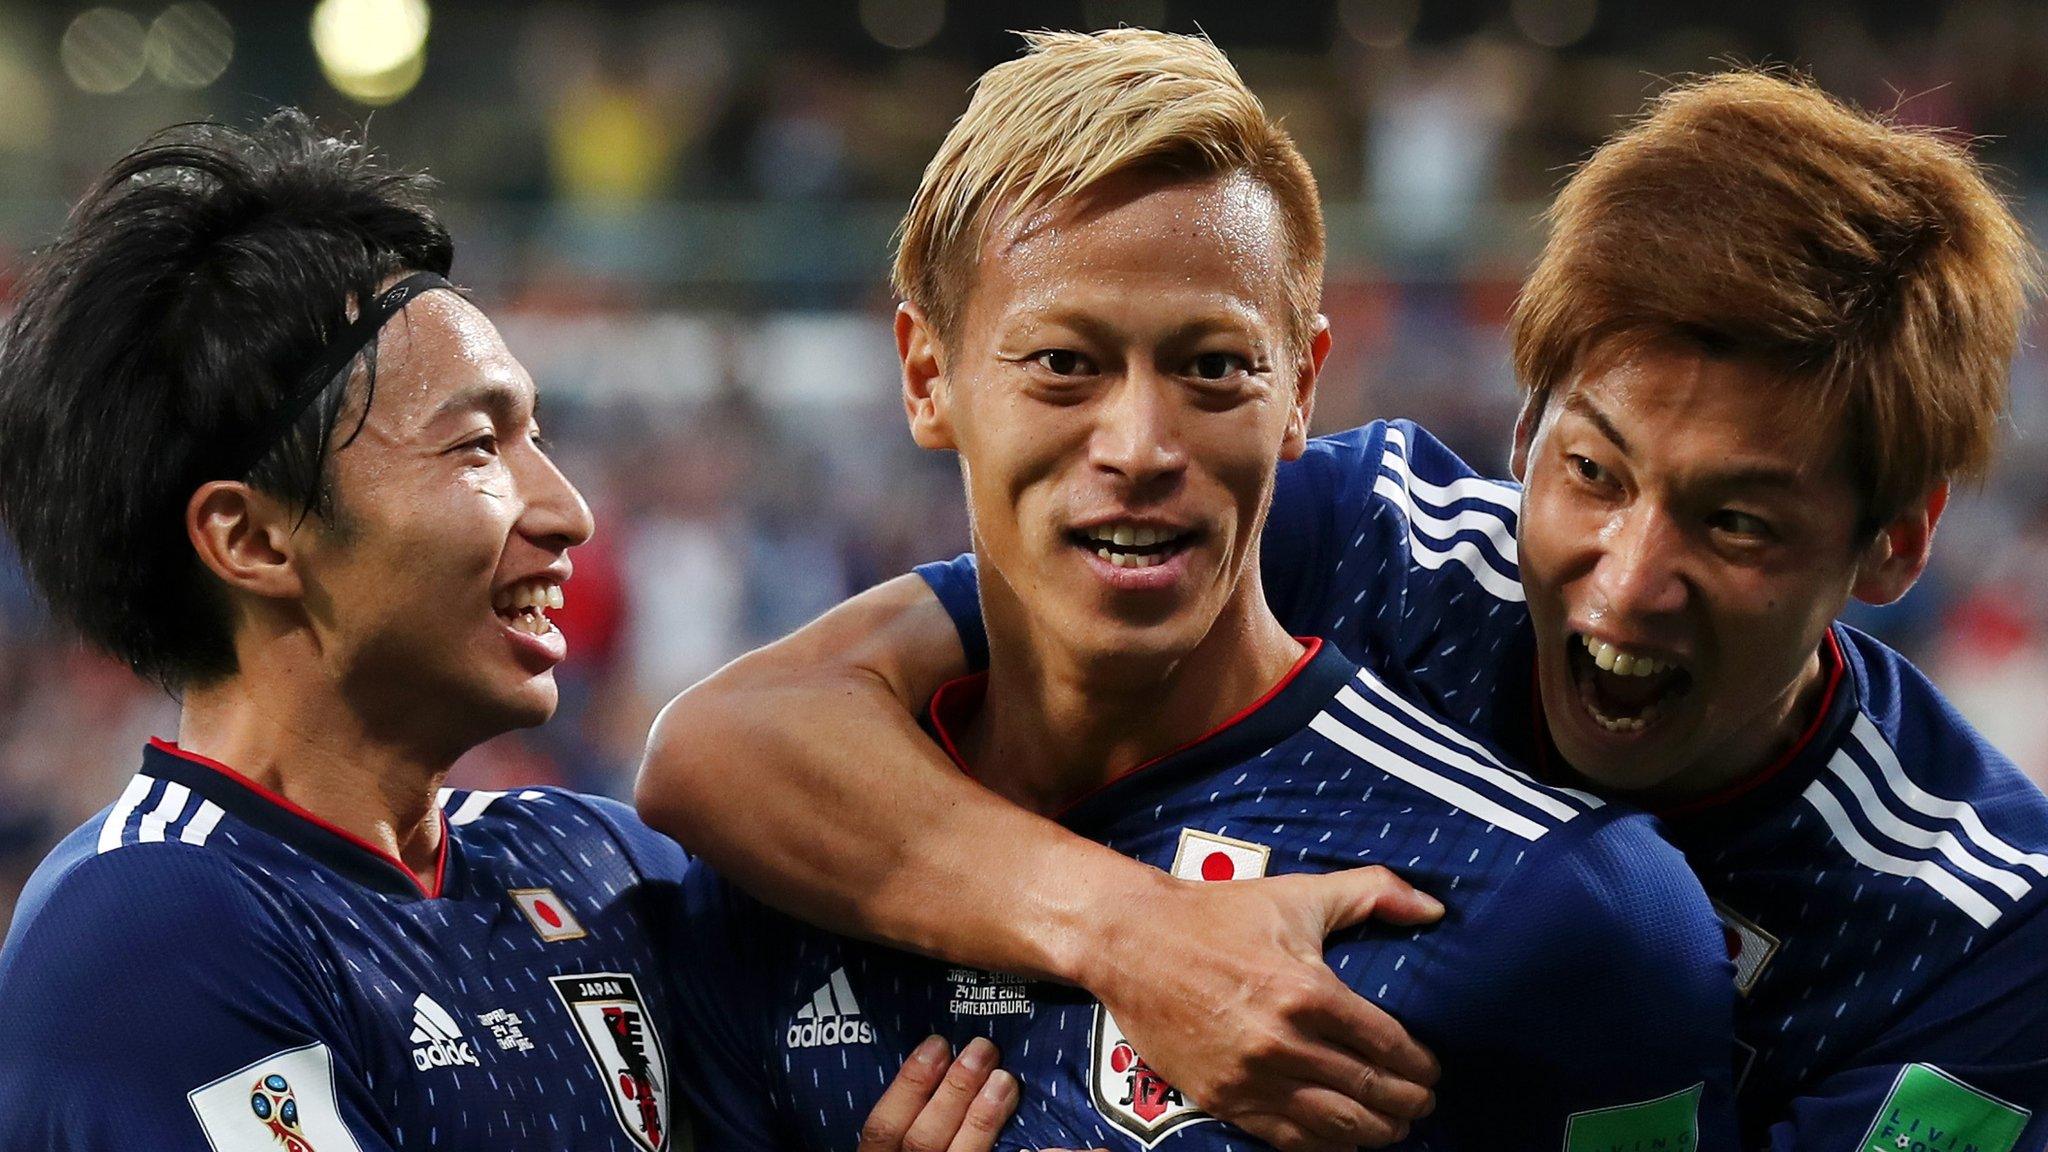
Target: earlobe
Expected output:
[244,538]
[1306,375]
[1892,563]
[924,379]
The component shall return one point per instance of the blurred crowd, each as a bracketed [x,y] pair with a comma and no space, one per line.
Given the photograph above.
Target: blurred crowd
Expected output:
[679,213]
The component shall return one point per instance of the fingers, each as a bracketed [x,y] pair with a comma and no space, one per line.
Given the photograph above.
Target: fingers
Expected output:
[987,1114]
[1395,1069]
[906,1096]
[944,1115]
[1360,894]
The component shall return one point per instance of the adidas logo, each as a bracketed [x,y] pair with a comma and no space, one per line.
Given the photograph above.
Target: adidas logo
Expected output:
[832,1017]
[437,1038]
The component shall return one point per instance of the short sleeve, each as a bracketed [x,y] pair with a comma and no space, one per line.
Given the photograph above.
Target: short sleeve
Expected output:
[1964,1068]
[153,999]
[1599,977]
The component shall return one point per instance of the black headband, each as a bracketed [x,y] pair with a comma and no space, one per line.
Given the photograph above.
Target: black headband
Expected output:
[336,357]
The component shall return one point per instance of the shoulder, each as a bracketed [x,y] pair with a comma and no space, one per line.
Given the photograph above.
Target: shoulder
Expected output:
[94,889]
[572,826]
[1911,789]
[1607,899]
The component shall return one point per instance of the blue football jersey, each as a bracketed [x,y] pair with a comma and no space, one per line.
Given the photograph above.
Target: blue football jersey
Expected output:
[1550,893]
[206,967]
[1881,886]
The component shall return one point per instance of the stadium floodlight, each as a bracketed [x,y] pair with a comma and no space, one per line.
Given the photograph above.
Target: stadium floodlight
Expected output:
[372,51]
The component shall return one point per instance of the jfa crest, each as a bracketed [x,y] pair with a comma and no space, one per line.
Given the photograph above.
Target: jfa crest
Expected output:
[1127,1092]
[615,1027]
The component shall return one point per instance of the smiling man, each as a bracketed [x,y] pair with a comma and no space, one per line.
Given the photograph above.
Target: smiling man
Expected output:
[254,444]
[1112,271]
[1767,332]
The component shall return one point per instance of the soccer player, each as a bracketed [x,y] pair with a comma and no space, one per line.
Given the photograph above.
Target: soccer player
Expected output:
[253,443]
[1767,333]
[1113,268]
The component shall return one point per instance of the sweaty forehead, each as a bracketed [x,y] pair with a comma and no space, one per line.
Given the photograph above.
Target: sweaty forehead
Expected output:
[1220,234]
[440,352]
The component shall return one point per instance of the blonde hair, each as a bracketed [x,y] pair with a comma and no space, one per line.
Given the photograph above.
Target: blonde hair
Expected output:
[1076,109]
[1750,215]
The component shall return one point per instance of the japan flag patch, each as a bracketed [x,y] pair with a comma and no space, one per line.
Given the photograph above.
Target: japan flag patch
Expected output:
[281,1103]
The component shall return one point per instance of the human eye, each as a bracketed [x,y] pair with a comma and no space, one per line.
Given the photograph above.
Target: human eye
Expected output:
[1742,525]
[1218,365]
[1588,470]
[1062,362]
[480,445]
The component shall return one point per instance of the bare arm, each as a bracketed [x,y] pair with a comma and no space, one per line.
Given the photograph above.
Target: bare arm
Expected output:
[801,773]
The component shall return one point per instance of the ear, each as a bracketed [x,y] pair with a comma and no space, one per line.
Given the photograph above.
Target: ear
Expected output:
[924,379]
[1525,435]
[1305,375]
[244,537]
[1895,559]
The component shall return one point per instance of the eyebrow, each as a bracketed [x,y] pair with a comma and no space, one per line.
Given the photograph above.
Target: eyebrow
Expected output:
[496,396]
[1575,402]
[1741,476]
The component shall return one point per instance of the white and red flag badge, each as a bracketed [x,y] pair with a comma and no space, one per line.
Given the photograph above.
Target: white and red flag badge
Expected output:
[1128,1093]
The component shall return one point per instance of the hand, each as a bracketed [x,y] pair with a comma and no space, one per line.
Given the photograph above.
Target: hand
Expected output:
[941,1104]
[1223,988]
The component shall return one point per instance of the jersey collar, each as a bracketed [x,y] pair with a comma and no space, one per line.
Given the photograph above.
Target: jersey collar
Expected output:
[259,807]
[1285,709]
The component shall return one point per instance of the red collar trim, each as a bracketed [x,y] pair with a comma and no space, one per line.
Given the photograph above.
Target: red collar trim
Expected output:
[440,854]
[956,700]
[1837,665]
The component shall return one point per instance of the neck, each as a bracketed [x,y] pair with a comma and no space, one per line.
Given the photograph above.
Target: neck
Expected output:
[1059,723]
[280,722]
[1756,749]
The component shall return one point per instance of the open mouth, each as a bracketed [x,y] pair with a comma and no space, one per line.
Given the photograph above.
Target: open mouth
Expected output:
[1624,692]
[524,606]
[1133,546]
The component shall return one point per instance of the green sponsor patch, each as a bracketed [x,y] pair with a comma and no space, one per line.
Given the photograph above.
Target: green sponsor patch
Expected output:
[1932,1111]
[1666,1124]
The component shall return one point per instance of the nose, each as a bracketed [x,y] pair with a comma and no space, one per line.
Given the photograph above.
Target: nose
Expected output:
[1137,434]
[1638,572]
[556,516]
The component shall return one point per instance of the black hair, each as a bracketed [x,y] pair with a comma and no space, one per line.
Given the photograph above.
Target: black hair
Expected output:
[192,289]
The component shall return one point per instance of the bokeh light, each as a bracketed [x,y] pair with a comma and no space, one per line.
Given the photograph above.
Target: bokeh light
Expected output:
[1379,23]
[102,50]
[1554,23]
[189,45]
[372,51]
[903,24]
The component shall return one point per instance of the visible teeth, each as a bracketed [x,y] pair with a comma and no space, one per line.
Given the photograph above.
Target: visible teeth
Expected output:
[527,602]
[1124,535]
[1612,659]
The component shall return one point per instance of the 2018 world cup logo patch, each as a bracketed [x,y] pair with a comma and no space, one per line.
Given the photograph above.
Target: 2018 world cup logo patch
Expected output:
[274,1103]
[284,1102]
[615,1026]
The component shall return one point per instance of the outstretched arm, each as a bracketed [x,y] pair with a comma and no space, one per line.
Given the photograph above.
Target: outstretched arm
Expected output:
[800,772]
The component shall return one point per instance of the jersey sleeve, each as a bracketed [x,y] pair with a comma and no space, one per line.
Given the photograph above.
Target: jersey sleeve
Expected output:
[1386,543]
[656,857]
[1600,978]
[152,998]
[721,972]
[1965,1069]
[955,582]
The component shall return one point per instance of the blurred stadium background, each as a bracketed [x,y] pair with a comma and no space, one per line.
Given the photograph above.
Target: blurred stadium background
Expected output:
[680,212]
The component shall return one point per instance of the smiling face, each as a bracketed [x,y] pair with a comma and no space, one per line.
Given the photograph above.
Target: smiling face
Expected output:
[1688,532]
[428,595]
[1121,388]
